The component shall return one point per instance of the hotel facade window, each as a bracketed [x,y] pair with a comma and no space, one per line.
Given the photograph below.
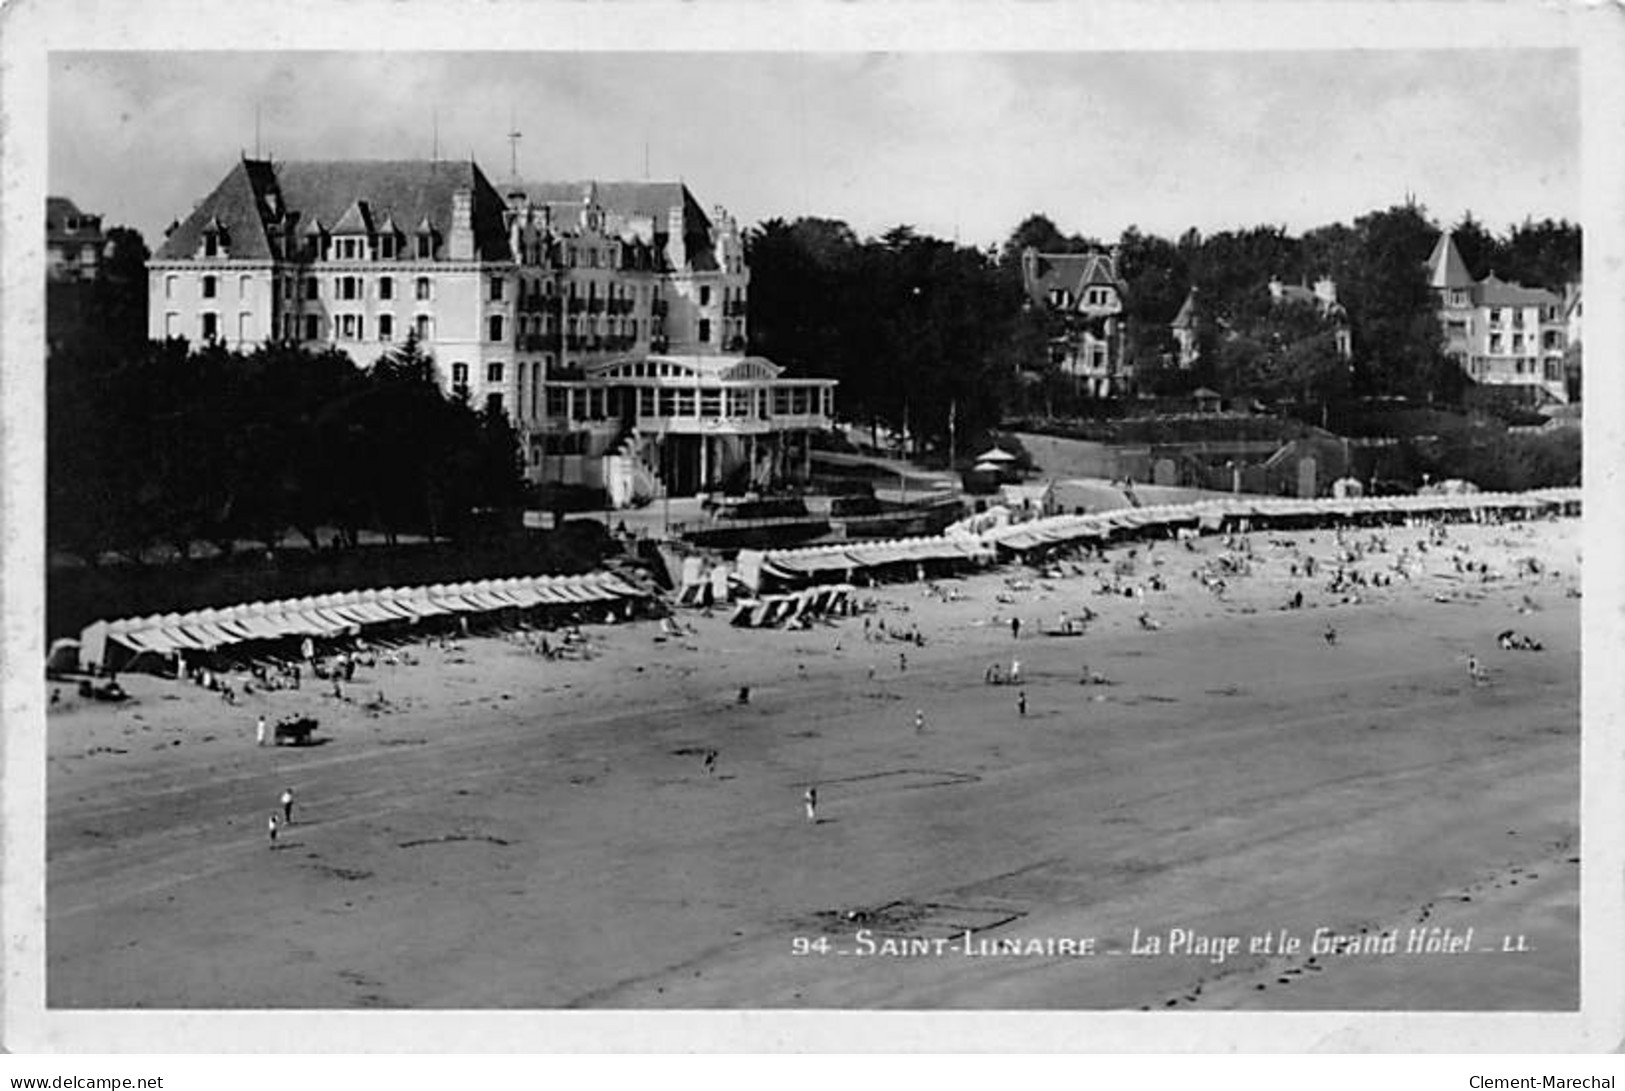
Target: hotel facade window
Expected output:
[386,287]
[386,327]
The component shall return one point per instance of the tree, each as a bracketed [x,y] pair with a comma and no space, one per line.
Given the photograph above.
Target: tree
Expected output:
[1156,277]
[1039,232]
[1480,251]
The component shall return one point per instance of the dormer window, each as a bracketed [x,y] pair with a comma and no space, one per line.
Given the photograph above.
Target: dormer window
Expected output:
[215,239]
[386,247]
[425,245]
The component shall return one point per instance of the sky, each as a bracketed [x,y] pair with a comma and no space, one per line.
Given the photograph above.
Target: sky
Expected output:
[958,144]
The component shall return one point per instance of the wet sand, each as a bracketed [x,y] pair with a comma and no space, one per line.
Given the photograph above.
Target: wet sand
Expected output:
[517,833]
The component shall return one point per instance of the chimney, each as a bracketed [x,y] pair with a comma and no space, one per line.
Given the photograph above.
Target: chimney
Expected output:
[460,243]
[676,244]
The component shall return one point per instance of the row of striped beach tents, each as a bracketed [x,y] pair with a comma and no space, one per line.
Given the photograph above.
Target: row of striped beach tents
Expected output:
[109,644]
[820,564]
[1264,512]
[816,564]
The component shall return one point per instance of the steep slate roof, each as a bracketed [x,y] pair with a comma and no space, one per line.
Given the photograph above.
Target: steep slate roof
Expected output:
[1445,267]
[1068,272]
[409,191]
[235,203]
[57,212]
[1492,291]
[1186,318]
[626,199]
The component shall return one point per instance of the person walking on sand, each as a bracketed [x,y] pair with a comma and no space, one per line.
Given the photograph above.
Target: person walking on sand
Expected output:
[810,798]
[287,806]
[1015,628]
[1021,703]
[1330,636]
[1015,672]
[259,731]
[272,825]
[1475,670]
[919,721]
[902,661]
[710,763]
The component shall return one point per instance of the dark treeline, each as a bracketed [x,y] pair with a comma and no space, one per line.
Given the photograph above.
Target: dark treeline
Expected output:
[156,444]
[912,325]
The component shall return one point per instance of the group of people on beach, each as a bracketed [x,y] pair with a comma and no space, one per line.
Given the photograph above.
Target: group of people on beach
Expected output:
[1239,559]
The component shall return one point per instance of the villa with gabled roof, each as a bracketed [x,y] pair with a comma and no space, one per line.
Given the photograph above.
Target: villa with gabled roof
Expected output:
[1501,333]
[1083,292]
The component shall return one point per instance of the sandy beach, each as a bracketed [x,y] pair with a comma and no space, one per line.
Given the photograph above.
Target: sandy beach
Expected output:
[506,831]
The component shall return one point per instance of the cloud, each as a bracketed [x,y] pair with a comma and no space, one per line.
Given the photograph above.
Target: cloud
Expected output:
[941,140]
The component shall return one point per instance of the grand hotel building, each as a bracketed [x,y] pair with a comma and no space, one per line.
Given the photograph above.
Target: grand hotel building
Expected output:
[608,320]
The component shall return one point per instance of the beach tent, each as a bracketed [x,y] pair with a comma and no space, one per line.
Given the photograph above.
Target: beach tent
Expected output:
[63,656]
